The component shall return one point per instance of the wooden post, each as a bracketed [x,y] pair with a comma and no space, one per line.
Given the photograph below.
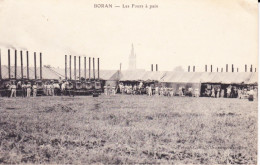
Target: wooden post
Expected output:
[94,68]
[27,58]
[188,68]
[217,69]
[70,67]
[245,68]
[79,69]
[237,69]
[211,68]
[15,64]
[232,68]
[9,65]
[156,67]
[98,67]
[89,67]
[226,67]
[221,69]
[206,68]
[41,66]
[75,71]
[35,70]
[193,68]
[152,67]
[85,68]
[65,67]
[0,66]
[21,54]
[251,69]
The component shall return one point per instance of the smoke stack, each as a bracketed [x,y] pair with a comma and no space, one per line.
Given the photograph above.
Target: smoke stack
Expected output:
[0,66]
[75,71]
[79,69]
[35,71]
[206,68]
[94,68]
[65,67]
[89,67]
[245,68]
[21,54]
[85,68]
[232,68]
[152,67]
[211,68]
[41,66]
[156,67]
[193,68]
[9,65]
[188,68]
[226,67]
[98,67]
[27,58]
[15,64]
[70,67]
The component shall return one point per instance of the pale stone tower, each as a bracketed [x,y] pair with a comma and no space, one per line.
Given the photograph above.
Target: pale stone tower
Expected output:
[132,59]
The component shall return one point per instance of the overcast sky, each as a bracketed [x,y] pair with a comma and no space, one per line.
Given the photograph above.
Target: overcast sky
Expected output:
[179,32]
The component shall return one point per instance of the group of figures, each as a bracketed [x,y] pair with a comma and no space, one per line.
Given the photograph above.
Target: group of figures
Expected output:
[231,92]
[216,91]
[151,89]
[109,90]
[28,88]
[31,88]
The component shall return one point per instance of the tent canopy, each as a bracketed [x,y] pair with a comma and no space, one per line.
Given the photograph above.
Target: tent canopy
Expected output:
[140,75]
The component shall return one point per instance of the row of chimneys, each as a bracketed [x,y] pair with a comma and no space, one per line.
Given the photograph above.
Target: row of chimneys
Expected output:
[156,67]
[211,68]
[15,64]
[85,68]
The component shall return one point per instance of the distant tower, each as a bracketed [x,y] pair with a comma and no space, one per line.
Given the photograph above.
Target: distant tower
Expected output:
[132,59]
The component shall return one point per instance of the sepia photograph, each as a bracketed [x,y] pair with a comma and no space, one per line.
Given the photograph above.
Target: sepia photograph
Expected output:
[129,82]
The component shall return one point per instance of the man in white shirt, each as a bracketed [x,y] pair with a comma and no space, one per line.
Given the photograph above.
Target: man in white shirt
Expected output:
[13,90]
[28,87]
[34,87]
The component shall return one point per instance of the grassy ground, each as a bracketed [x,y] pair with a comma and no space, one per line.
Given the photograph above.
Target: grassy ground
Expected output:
[128,129]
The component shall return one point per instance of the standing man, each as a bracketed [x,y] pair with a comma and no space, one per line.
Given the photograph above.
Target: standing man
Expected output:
[34,87]
[228,92]
[149,90]
[13,90]
[23,89]
[48,89]
[52,88]
[28,87]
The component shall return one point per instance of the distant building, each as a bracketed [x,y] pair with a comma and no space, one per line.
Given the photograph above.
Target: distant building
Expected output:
[132,60]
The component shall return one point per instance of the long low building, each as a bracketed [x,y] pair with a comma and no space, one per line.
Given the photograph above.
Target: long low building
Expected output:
[168,78]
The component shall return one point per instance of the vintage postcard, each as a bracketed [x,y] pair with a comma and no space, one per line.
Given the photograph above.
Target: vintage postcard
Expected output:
[128,81]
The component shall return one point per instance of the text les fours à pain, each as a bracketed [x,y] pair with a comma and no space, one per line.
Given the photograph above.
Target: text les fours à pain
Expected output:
[126,6]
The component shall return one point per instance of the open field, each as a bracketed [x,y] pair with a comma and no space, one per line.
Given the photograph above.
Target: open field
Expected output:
[128,129]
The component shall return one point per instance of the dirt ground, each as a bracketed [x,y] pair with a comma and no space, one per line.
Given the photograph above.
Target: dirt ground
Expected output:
[128,129]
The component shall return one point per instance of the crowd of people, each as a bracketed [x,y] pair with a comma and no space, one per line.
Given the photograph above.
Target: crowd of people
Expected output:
[52,88]
[231,92]
[32,89]
[151,89]
[213,91]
